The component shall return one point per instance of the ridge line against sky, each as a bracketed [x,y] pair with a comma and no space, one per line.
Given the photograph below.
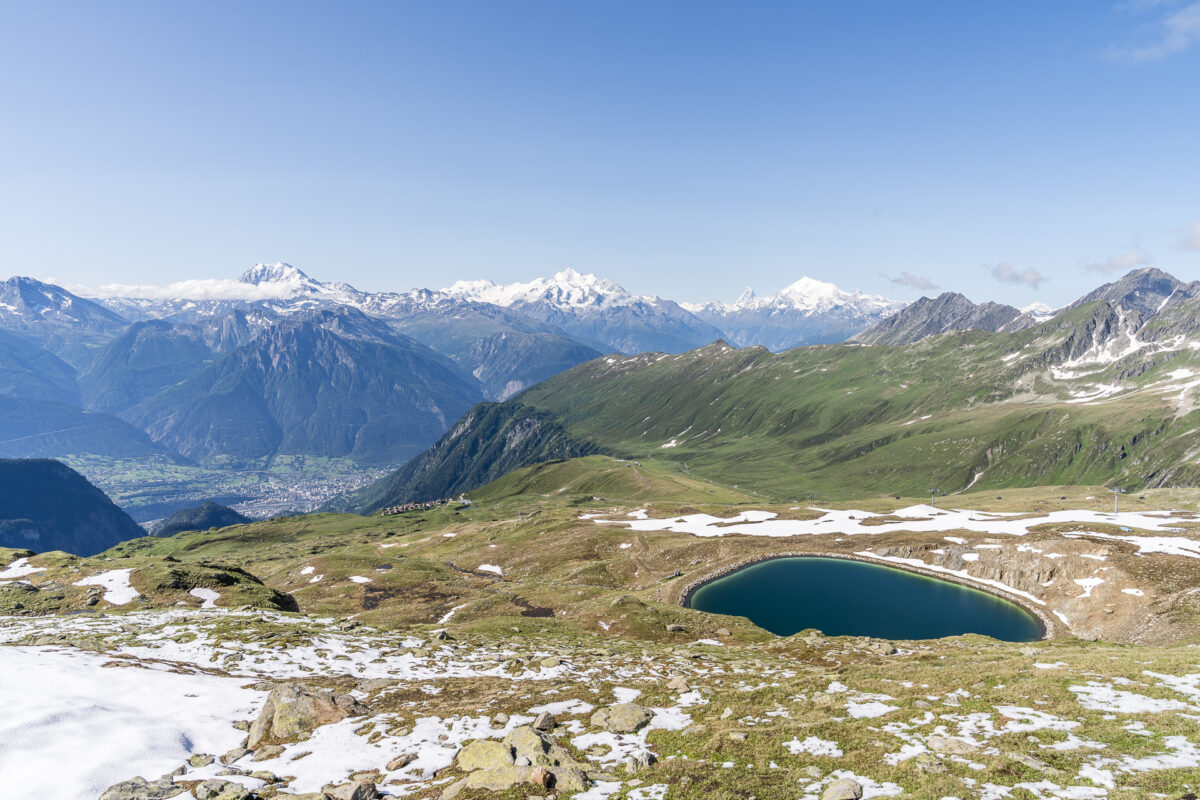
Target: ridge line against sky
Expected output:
[1011,151]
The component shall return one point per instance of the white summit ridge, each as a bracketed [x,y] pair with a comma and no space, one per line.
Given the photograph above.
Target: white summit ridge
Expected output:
[566,289]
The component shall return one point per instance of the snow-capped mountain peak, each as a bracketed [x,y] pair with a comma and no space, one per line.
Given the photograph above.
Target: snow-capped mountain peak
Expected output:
[282,275]
[746,297]
[566,289]
[1040,311]
[806,295]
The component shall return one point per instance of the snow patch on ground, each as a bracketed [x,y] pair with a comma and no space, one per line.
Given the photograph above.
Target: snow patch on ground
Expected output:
[81,727]
[813,746]
[19,569]
[209,597]
[117,589]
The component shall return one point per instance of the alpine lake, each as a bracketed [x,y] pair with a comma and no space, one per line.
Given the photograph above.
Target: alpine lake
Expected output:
[841,597]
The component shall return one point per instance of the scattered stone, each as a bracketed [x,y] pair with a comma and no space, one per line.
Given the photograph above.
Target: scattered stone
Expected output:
[218,789]
[813,771]
[200,759]
[723,632]
[270,751]
[141,789]
[1034,763]
[234,755]
[843,789]
[500,719]
[951,746]
[545,722]
[639,761]
[738,736]
[622,718]
[727,713]
[540,776]
[551,661]
[570,778]
[675,627]
[401,761]
[678,684]
[352,791]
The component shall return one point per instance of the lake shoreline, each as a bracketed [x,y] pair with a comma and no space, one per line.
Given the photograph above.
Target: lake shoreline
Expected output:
[1049,629]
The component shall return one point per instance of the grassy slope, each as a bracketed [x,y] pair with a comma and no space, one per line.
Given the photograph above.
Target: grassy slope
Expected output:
[844,421]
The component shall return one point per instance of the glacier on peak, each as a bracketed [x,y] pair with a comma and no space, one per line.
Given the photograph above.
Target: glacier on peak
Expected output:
[805,295]
[567,288]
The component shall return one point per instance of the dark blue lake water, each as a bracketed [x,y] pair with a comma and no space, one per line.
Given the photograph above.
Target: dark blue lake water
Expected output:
[855,598]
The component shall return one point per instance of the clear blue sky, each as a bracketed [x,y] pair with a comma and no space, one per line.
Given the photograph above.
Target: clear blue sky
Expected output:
[681,148]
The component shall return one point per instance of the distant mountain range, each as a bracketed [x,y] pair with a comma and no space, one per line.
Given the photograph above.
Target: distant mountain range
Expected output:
[238,374]
[945,393]
[806,312]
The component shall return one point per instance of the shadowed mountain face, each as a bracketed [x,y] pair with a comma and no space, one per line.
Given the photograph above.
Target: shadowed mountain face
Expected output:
[46,505]
[946,312]
[301,388]
[488,442]
[201,518]
[147,358]
[27,370]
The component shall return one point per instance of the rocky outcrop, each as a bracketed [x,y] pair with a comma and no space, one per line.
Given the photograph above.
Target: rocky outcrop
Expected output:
[525,755]
[292,710]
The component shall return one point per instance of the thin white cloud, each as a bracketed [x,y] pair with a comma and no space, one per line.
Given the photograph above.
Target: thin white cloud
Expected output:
[1177,31]
[912,281]
[1131,259]
[194,289]
[1191,237]
[1007,273]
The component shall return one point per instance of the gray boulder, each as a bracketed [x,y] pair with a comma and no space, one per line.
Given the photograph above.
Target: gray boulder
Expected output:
[142,789]
[843,789]
[622,718]
[217,789]
[293,709]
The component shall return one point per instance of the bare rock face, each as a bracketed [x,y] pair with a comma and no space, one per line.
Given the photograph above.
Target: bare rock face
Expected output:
[293,709]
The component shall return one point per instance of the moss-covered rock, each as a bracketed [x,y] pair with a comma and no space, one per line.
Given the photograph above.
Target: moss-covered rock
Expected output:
[292,710]
[485,754]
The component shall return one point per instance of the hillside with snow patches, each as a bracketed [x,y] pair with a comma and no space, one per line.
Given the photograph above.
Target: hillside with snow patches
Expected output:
[413,671]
